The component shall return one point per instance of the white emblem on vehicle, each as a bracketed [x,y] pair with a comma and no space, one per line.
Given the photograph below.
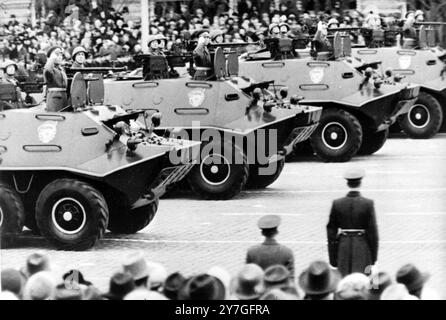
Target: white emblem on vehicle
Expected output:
[196,97]
[47,131]
[317,75]
[405,62]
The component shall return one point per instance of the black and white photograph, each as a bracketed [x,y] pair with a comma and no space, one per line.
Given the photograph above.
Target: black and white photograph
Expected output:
[241,151]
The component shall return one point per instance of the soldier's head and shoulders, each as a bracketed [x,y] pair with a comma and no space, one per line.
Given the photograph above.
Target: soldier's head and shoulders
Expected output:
[269,227]
[354,178]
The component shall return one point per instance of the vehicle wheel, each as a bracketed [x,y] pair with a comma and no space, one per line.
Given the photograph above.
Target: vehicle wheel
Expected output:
[424,119]
[259,181]
[373,142]
[132,221]
[72,214]
[12,214]
[217,177]
[338,136]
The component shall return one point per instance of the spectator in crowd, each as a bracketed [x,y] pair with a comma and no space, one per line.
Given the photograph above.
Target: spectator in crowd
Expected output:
[223,276]
[137,267]
[202,287]
[397,291]
[121,284]
[415,280]
[270,252]
[378,283]
[13,281]
[173,284]
[35,263]
[319,281]
[40,286]
[353,287]
[279,277]
[157,276]
[249,283]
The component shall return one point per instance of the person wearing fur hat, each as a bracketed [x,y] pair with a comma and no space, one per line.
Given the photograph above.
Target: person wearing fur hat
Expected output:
[55,80]
[79,56]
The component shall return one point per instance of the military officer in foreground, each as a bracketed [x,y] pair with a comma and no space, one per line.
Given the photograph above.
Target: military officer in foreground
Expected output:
[270,252]
[352,230]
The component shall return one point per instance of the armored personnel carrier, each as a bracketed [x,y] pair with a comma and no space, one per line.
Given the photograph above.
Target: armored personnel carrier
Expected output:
[245,129]
[423,64]
[72,175]
[359,104]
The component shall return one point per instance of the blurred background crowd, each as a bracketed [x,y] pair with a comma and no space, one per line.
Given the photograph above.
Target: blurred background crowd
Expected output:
[110,32]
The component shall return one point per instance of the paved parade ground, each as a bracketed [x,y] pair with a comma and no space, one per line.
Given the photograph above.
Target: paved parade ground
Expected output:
[407,180]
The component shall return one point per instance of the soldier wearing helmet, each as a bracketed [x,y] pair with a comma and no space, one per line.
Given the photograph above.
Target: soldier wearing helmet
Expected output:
[284,30]
[153,44]
[419,16]
[217,37]
[162,44]
[7,72]
[10,68]
[274,31]
[79,56]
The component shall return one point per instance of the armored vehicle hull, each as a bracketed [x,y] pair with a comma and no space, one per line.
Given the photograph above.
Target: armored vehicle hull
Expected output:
[72,176]
[425,67]
[242,136]
[357,110]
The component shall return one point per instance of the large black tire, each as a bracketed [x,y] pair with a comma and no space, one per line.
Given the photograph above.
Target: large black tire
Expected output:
[72,214]
[219,178]
[12,214]
[260,181]
[132,221]
[338,136]
[424,119]
[372,142]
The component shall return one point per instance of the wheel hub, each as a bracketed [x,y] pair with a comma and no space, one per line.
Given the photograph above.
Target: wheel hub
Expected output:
[334,136]
[419,116]
[68,216]
[215,169]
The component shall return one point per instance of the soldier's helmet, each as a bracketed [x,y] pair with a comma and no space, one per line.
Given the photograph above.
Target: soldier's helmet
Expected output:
[6,66]
[274,29]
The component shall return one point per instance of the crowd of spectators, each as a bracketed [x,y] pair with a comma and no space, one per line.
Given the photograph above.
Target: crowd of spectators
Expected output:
[139,279]
[111,34]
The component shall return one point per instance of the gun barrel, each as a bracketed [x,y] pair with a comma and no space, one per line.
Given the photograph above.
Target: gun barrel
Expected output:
[345,29]
[233,45]
[432,23]
[96,69]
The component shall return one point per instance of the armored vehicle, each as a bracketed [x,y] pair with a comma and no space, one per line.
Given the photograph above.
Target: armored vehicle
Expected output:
[424,64]
[246,130]
[72,175]
[359,104]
